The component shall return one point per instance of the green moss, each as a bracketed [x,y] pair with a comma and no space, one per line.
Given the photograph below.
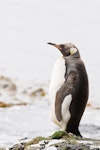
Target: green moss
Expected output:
[59,134]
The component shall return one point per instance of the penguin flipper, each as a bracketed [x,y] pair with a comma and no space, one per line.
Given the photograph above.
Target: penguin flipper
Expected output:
[66,89]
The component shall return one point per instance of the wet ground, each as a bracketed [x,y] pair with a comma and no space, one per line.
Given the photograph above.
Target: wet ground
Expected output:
[21,122]
[24,113]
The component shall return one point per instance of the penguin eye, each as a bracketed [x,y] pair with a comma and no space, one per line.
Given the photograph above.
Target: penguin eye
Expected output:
[73,50]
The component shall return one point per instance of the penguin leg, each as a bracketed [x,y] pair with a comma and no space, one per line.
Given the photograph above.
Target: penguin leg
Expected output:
[74,131]
[73,128]
[77,133]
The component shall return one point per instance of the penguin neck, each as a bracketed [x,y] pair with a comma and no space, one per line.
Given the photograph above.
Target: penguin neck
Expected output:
[76,55]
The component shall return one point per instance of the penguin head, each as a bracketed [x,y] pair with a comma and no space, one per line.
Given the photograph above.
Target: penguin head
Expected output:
[68,49]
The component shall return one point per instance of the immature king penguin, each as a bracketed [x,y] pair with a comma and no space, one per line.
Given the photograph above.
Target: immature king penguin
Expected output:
[68,91]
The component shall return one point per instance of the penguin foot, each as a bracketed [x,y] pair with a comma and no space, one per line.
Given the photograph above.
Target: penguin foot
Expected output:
[75,132]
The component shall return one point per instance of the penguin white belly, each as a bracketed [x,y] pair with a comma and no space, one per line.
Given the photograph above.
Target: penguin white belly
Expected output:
[57,80]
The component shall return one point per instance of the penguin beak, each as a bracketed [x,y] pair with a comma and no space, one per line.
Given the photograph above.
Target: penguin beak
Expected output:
[57,46]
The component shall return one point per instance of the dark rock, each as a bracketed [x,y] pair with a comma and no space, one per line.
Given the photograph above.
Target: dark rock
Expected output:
[17,147]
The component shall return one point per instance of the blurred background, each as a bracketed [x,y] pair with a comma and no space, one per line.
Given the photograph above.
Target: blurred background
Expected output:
[26,26]
[25,58]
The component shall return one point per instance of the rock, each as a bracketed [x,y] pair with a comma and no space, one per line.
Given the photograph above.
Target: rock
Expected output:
[4,105]
[36,140]
[17,147]
[60,140]
[38,92]
[32,147]
[13,93]
[7,85]
[51,148]
[57,144]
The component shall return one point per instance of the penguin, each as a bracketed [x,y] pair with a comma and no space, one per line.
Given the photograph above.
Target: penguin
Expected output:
[69,89]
